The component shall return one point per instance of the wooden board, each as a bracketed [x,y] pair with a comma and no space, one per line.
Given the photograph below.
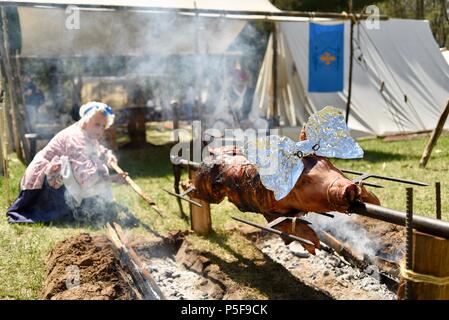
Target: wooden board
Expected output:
[129,259]
[200,217]
[430,256]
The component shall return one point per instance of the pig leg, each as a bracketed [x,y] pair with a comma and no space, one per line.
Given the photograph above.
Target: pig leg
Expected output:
[298,229]
[210,196]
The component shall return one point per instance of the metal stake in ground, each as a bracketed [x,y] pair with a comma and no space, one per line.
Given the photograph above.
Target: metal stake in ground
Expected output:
[438,200]
[409,241]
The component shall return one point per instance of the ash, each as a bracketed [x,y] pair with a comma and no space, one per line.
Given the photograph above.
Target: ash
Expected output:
[326,271]
[175,281]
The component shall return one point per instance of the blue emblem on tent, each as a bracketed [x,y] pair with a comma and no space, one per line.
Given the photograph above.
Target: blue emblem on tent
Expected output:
[326,54]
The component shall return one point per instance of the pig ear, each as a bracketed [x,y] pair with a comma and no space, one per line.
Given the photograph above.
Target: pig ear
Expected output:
[302,135]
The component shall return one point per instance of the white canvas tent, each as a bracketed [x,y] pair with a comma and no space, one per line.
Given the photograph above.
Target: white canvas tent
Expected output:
[445,54]
[133,27]
[400,79]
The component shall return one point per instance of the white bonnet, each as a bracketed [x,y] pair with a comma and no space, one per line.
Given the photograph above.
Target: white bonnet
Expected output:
[89,109]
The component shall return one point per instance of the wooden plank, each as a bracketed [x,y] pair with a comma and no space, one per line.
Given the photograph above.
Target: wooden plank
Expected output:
[8,121]
[176,169]
[6,64]
[130,260]
[351,63]
[434,137]
[200,218]
[21,111]
[274,71]
[4,134]
[431,257]
[128,265]
[2,138]
[135,258]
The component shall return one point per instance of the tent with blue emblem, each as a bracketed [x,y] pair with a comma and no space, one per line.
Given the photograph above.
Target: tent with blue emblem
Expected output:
[399,83]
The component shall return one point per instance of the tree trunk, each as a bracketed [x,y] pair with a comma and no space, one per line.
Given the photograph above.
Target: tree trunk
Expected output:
[13,105]
[2,137]
[419,13]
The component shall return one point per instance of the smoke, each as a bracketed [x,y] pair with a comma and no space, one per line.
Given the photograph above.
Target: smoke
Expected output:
[346,230]
[165,56]
[95,211]
[155,57]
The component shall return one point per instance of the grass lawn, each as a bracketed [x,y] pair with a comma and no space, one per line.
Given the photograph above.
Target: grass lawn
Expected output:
[23,248]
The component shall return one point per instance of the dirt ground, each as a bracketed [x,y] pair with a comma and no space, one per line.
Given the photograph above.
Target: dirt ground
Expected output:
[391,236]
[180,270]
[86,268]
[184,272]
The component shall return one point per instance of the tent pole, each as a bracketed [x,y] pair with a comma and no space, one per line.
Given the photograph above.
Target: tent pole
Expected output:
[351,54]
[197,114]
[2,140]
[434,136]
[25,124]
[5,60]
[274,70]
[4,145]
[220,13]
[20,93]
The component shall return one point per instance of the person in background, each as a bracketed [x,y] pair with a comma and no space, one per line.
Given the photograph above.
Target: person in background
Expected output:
[238,96]
[75,112]
[189,103]
[69,180]
[34,98]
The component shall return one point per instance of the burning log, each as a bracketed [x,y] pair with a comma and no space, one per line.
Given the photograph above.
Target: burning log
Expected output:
[351,256]
[130,260]
[388,271]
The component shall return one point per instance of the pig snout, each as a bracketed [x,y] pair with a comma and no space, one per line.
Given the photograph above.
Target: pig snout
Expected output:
[342,193]
[350,192]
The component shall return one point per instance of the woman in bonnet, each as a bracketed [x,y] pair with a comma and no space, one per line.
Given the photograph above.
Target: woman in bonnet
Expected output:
[69,179]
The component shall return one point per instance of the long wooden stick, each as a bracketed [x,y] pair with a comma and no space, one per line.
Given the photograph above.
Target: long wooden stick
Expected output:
[137,189]
[434,137]
[4,145]
[2,142]
[5,56]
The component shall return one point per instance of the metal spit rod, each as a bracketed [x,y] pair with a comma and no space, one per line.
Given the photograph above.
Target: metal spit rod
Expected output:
[279,233]
[187,163]
[364,175]
[427,225]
